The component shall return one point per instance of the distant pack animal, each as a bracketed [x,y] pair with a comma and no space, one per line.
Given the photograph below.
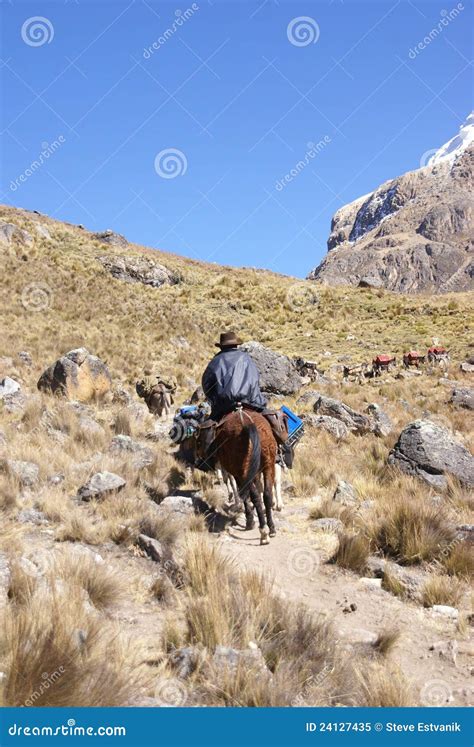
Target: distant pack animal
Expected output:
[158,395]
[413,359]
[356,372]
[440,356]
[383,363]
[244,445]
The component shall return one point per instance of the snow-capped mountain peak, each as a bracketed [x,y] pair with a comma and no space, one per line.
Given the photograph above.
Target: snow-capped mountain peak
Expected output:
[450,150]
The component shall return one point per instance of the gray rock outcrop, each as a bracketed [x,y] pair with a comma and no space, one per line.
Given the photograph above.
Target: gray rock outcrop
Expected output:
[278,373]
[355,421]
[411,235]
[133,269]
[429,451]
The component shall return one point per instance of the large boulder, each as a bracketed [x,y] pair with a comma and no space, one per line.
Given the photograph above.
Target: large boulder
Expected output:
[333,408]
[431,452]
[278,373]
[138,269]
[78,375]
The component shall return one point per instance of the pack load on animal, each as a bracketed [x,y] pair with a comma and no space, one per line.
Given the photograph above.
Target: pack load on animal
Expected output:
[187,420]
[383,363]
[413,358]
[295,426]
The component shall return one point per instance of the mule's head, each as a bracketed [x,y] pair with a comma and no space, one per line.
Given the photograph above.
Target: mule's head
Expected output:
[204,458]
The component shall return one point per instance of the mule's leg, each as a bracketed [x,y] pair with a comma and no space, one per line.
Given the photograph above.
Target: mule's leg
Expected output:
[278,502]
[268,483]
[248,507]
[257,502]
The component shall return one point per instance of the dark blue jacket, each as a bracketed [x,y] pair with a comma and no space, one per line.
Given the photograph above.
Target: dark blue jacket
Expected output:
[232,377]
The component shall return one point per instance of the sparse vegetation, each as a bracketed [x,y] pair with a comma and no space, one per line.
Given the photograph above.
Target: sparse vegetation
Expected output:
[442,590]
[79,610]
[352,552]
[412,530]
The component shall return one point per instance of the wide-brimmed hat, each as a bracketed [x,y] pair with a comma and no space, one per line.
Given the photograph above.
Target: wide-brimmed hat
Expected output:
[228,339]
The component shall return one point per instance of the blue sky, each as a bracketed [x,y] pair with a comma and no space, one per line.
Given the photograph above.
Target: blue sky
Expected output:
[189,145]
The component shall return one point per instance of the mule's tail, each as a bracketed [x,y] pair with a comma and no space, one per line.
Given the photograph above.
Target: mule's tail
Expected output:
[255,457]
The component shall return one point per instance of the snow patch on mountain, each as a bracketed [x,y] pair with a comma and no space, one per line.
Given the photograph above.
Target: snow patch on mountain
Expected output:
[452,149]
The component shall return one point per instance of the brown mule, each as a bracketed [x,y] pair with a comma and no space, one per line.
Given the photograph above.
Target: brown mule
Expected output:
[245,447]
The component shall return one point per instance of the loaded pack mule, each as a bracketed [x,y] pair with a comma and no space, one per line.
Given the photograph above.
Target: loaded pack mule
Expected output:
[244,445]
[158,395]
[413,359]
[383,363]
[440,356]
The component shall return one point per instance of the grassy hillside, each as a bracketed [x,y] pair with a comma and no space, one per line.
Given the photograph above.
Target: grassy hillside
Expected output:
[104,621]
[132,325]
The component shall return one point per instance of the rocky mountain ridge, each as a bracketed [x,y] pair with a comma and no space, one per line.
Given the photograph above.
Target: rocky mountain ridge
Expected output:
[414,233]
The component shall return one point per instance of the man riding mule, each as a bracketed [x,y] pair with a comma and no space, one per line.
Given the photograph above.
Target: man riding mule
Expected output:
[238,435]
[232,377]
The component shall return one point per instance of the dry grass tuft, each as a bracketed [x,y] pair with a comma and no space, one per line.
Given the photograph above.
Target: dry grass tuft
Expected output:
[460,561]
[381,687]
[386,641]
[352,552]
[442,590]
[391,583]
[104,586]
[162,589]
[412,530]
[59,657]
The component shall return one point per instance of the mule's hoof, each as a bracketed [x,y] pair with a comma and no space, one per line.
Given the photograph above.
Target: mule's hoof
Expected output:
[272,532]
[264,540]
[249,525]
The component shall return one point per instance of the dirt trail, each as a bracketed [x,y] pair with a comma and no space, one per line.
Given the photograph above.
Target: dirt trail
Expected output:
[293,560]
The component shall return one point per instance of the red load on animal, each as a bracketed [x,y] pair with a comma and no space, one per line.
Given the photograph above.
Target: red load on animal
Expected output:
[383,359]
[437,350]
